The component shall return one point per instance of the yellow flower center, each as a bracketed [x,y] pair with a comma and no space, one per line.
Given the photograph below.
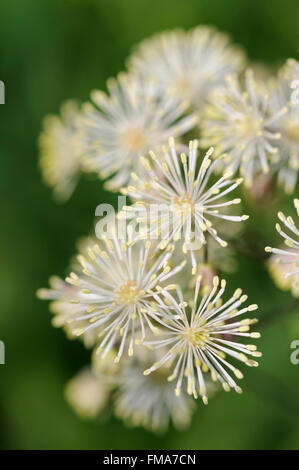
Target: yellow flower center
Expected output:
[197,336]
[183,204]
[128,293]
[133,139]
[249,127]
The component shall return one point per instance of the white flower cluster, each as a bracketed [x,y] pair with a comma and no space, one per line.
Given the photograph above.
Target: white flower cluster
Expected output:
[151,304]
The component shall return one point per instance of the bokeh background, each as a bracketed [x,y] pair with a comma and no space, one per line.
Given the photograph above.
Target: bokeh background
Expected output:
[52,50]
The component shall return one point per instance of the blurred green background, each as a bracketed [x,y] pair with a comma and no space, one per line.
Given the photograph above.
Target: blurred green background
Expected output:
[52,50]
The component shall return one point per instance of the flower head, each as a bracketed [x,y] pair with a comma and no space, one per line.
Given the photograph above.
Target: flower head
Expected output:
[87,393]
[279,267]
[61,295]
[61,150]
[178,200]
[149,401]
[287,125]
[288,256]
[122,126]
[238,122]
[189,64]
[200,338]
[115,292]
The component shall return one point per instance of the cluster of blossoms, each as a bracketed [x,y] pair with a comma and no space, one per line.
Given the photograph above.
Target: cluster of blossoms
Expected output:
[150,300]
[284,263]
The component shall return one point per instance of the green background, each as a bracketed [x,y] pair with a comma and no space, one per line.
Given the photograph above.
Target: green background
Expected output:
[54,50]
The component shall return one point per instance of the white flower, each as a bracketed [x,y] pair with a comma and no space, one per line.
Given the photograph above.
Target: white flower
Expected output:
[200,338]
[279,267]
[116,286]
[87,393]
[189,64]
[61,150]
[149,401]
[122,126]
[287,125]
[178,200]
[238,122]
[291,240]
[64,309]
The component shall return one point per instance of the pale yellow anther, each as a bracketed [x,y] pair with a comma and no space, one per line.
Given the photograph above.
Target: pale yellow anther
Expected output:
[207,163]
[252,363]
[134,176]
[210,151]
[213,376]
[163,244]
[172,287]
[238,374]
[152,155]
[257,354]
[171,377]
[290,220]
[244,328]
[242,357]
[281,216]
[171,142]
[255,334]
[228,174]
[246,321]
[226,386]
[86,291]
[251,347]
[183,158]
[205,400]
